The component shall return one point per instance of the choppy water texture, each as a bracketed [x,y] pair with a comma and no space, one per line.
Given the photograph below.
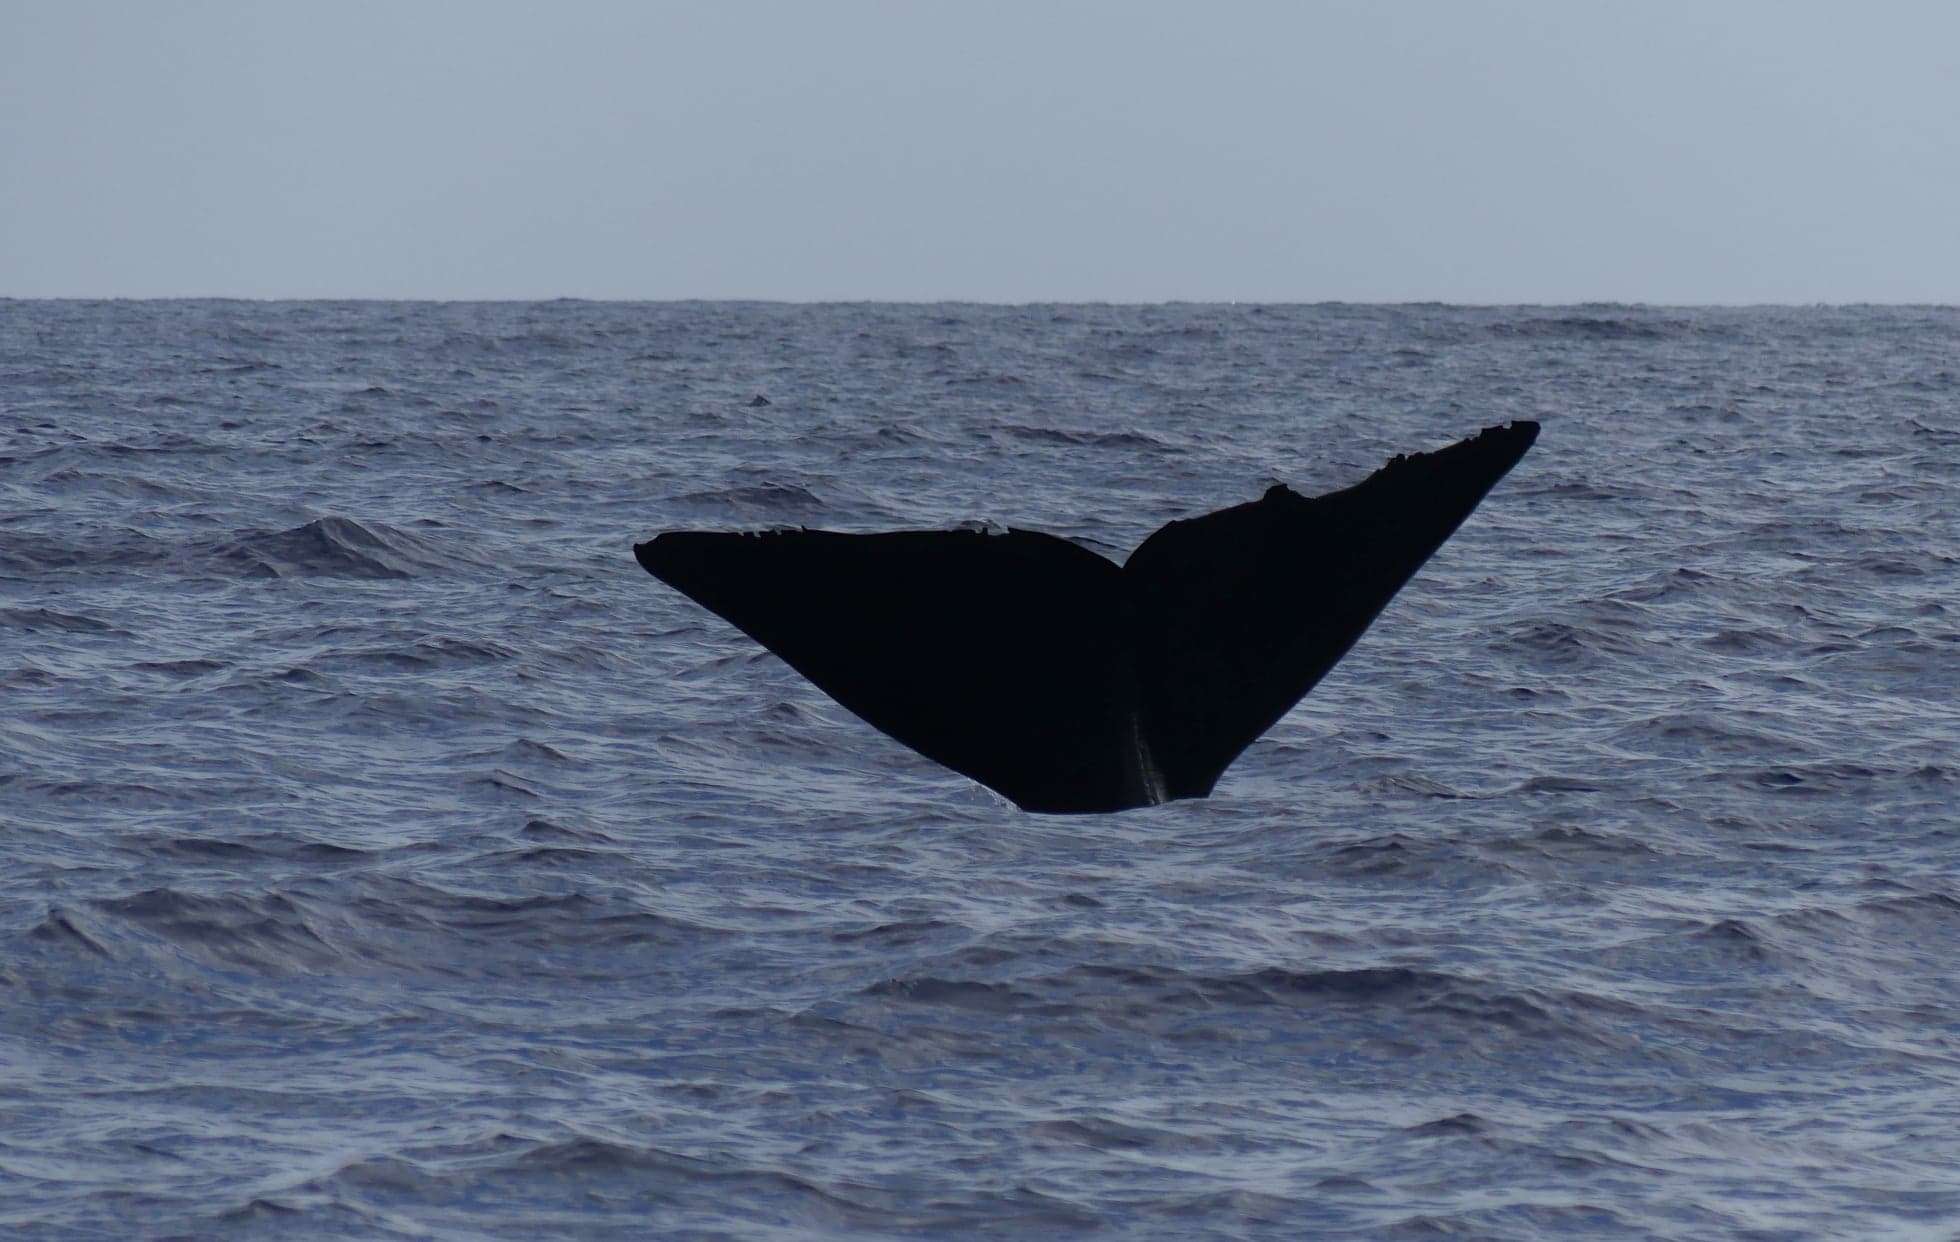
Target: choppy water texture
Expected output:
[388,856]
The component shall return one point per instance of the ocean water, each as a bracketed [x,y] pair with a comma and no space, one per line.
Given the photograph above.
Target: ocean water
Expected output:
[388,856]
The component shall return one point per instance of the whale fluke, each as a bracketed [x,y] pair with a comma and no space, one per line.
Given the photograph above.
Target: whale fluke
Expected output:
[1052,676]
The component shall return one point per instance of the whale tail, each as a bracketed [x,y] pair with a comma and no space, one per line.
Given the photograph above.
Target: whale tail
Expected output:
[1052,676]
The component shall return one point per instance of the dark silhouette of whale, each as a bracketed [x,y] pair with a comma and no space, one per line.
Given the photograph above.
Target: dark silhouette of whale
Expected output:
[1049,674]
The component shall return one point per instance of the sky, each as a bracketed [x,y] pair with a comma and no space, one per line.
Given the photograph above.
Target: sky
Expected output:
[1382,150]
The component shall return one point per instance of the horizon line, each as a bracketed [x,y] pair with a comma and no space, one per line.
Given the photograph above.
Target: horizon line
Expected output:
[993,302]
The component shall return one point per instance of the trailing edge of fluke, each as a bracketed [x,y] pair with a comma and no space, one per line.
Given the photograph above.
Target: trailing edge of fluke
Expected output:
[1049,674]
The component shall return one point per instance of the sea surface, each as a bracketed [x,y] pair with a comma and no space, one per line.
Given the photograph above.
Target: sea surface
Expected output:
[387,856]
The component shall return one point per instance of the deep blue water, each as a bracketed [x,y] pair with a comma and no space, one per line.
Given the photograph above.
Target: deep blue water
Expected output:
[387,856]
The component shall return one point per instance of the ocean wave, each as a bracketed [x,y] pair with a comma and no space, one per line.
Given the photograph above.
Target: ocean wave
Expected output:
[1588,327]
[28,554]
[765,499]
[334,547]
[1561,643]
[50,620]
[266,931]
[1089,439]
[1161,997]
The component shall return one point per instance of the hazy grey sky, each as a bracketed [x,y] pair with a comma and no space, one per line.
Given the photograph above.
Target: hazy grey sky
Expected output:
[1734,151]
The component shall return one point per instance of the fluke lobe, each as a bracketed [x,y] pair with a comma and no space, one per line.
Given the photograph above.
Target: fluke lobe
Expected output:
[1045,672]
